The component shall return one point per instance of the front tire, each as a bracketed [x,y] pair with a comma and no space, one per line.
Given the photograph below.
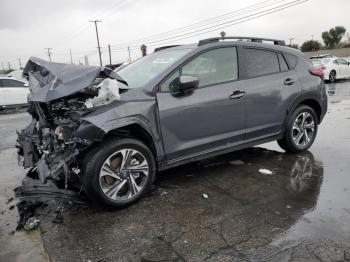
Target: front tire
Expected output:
[301,130]
[118,172]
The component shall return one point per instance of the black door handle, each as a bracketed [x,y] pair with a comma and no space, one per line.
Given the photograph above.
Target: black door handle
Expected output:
[288,82]
[237,94]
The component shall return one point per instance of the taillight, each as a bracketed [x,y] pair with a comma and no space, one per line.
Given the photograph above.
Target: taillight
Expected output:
[318,71]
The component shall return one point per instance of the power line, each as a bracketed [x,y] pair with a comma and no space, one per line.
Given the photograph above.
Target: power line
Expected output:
[231,22]
[204,30]
[220,26]
[219,18]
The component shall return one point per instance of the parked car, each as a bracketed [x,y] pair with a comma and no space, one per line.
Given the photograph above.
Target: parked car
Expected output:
[116,130]
[17,74]
[13,92]
[323,56]
[333,68]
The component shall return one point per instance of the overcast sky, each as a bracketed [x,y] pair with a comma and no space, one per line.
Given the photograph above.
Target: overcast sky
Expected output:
[27,27]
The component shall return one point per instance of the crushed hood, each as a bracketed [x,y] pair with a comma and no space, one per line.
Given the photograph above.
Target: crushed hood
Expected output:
[49,81]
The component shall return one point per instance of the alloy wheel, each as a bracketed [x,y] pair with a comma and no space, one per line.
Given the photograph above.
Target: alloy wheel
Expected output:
[124,174]
[303,130]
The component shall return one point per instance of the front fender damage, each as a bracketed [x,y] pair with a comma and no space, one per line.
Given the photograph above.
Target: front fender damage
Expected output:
[52,145]
[53,154]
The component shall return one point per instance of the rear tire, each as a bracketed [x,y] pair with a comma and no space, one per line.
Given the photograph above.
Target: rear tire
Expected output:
[118,172]
[301,130]
[332,76]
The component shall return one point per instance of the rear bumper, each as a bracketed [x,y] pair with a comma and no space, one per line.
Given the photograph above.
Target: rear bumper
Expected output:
[324,103]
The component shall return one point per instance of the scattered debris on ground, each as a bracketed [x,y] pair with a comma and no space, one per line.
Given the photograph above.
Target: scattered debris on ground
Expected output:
[32,223]
[236,162]
[205,196]
[58,219]
[265,171]
[33,196]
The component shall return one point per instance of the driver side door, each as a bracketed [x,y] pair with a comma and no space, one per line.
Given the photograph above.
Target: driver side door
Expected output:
[210,118]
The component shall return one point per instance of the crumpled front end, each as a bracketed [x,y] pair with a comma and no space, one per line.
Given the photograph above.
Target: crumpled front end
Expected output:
[49,144]
[53,144]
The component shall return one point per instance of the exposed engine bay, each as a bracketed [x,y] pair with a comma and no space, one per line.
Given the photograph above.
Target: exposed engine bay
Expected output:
[50,145]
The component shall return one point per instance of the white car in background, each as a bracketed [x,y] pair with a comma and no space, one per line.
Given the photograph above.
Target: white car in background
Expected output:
[17,74]
[333,68]
[13,92]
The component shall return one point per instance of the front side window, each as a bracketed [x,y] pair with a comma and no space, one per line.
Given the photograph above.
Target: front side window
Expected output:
[261,62]
[341,62]
[212,67]
[138,73]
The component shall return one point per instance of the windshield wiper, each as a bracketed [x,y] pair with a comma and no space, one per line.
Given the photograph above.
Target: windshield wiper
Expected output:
[120,79]
[112,74]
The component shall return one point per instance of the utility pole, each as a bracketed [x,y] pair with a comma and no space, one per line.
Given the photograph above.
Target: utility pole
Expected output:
[71,57]
[20,64]
[143,50]
[290,41]
[3,68]
[110,56]
[49,52]
[9,65]
[129,54]
[98,40]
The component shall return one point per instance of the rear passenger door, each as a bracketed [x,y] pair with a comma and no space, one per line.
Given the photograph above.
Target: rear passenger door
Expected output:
[271,84]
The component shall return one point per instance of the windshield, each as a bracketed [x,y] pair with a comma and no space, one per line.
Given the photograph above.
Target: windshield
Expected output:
[138,73]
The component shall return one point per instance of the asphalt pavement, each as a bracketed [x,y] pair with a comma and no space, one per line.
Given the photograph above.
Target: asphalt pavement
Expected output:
[220,209]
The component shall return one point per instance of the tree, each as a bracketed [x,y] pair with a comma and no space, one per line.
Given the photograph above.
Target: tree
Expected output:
[333,37]
[294,46]
[311,45]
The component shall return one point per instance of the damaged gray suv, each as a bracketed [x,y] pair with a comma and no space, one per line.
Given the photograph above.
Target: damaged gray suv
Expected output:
[110,131]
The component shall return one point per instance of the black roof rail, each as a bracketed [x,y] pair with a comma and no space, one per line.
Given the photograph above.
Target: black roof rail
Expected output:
[252,39]
[164,47]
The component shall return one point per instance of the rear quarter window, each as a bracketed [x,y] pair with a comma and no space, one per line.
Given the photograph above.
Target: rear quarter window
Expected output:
[292,60]
[283,63]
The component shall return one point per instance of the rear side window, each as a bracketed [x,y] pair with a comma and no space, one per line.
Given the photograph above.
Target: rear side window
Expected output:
[261,62]
[283,63]
[292,60]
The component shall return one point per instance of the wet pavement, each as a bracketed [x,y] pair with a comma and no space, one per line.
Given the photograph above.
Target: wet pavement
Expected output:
[221,209]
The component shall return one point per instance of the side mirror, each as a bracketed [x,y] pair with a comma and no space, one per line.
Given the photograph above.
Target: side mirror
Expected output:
[188,83]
